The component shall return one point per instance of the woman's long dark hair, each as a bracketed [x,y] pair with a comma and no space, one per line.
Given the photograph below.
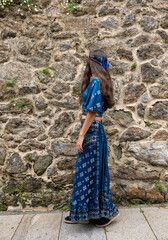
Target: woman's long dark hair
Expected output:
[93,66]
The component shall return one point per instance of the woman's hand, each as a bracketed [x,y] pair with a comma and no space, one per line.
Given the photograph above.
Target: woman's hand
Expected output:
[79,144]
[88,120]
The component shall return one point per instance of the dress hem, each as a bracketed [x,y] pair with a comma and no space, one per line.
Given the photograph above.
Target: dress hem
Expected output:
[96,217]
[77,216]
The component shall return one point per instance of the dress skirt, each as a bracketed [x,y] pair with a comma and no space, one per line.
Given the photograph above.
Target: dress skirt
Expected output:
[91,195]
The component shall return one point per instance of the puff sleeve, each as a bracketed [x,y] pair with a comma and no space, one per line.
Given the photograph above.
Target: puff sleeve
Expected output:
[93,101]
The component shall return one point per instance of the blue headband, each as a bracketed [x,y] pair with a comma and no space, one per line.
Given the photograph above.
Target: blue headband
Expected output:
[104,61]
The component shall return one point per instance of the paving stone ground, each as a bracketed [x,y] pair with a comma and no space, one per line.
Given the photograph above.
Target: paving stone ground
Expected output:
[142,222]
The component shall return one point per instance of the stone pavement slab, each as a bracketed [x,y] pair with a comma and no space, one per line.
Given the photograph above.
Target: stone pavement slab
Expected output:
[158,220]
[8,225]
[43,226]
[80,231]
[130,225]
[140,222]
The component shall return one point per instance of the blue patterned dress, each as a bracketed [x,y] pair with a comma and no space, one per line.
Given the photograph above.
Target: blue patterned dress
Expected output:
[91,196]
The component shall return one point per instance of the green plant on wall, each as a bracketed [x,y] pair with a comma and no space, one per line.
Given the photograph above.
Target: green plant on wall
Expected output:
[136,203]
[60,185]
[28,157]
[11,83]
[159,186]
[148,123]
[72,6]
[22,104]
[27,5]
[45,74]
[12,98]
[19,191]
[47,71]
[134,65]
[68,6]
[148,202]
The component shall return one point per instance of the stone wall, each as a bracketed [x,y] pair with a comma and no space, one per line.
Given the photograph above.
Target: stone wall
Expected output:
[42,60]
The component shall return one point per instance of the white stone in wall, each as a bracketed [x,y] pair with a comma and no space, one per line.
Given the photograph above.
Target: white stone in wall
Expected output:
[156,153]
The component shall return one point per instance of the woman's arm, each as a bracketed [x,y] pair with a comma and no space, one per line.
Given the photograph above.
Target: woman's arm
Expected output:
[88,120]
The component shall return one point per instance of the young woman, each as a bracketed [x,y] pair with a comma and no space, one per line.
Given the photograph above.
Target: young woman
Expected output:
[91,196]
